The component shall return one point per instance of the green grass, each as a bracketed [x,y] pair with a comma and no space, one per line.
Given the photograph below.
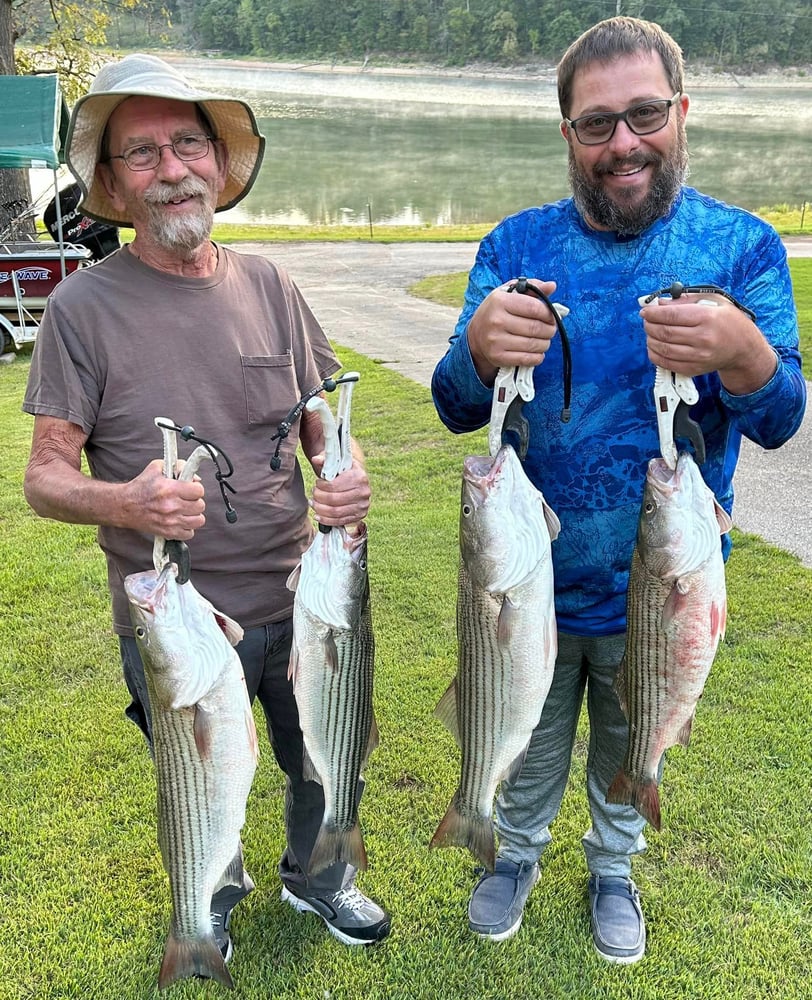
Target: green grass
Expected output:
[787,219]
[449,290]
[84,901]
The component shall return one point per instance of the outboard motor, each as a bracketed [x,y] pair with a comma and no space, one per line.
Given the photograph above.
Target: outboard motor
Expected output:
[99,237]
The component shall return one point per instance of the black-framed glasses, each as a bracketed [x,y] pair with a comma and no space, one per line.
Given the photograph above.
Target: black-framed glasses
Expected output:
[147,155]
[642,119]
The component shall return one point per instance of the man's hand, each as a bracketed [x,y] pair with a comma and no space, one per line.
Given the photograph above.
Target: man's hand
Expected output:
[510,330]
[343,500]
[692,338]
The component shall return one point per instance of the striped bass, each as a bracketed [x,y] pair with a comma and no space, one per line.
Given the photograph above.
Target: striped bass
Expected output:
[507,641]
[676,613]
[205,748]
[331,666]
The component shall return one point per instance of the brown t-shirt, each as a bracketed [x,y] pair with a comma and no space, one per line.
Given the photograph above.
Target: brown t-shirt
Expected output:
[121,344]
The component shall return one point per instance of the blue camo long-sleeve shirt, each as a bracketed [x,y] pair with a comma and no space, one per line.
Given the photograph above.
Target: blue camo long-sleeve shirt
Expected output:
[592,469]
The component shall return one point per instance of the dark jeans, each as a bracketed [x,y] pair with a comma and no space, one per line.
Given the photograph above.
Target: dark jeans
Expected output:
[264,653]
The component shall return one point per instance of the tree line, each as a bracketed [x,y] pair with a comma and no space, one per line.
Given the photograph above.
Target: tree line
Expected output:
[745,34]
[732,34]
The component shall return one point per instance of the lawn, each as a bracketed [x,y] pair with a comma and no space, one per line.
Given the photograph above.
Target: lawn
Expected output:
[726,885]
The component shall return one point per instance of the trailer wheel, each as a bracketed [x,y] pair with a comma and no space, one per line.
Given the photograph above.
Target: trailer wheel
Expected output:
[8,343]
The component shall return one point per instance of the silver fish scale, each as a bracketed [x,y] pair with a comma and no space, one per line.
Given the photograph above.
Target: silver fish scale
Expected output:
[201,802]
[333,683]
[664,672]
[347,704]
[501,686]
[182,835]
[483,695]
[647,664]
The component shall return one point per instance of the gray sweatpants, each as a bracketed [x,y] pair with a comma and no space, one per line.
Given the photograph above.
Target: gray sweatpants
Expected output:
[264,653]
[526,807]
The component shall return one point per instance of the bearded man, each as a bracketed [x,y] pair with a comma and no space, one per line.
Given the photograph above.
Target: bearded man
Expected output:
[175,324]
[631,228]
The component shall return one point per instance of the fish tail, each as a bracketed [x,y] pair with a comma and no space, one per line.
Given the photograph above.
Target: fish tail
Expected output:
[642,793]
[473,832]
[195,957]
[333,844]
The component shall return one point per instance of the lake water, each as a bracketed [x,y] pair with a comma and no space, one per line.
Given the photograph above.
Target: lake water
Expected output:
[413,149]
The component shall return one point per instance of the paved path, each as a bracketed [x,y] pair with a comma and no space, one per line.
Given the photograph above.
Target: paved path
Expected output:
[358,293]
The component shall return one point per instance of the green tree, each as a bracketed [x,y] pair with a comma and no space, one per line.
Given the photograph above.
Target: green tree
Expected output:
[61,38]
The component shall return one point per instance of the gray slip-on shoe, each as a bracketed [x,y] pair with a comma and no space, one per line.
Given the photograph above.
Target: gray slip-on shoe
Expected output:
[618,928]
[497,902]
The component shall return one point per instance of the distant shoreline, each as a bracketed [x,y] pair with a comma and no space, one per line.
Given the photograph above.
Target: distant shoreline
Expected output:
[695,76]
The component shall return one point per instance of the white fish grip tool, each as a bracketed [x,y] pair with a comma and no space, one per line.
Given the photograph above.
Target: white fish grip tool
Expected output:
[674,394]
[513,387]
[171,550]
[336,430]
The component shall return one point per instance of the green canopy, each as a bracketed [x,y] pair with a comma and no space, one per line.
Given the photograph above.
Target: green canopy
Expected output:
[33,122]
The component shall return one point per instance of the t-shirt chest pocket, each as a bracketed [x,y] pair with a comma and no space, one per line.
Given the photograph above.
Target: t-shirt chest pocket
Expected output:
[270,387]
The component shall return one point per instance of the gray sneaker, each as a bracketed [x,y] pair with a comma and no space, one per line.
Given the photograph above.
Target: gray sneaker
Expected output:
[497,902]
[348,914]
[618,928]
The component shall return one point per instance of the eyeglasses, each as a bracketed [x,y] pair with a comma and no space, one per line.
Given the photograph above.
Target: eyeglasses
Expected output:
[147,156]
[642,119]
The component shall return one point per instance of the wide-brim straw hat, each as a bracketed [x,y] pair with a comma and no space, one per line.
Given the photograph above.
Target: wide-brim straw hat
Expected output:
[141,75]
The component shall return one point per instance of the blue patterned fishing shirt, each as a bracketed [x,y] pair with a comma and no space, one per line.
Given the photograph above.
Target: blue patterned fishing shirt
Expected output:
[592,469]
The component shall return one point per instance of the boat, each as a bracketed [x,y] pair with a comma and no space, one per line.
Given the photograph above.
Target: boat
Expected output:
[32,136]
[29,272]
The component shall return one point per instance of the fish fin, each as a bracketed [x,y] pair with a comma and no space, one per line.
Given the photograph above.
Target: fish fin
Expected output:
[511,772]
[553,524]
[641,793]
[718,620]
[331,658]
[234,873]
[199,957]
[473,832]
[620,686]
[231,629]
[292,581]
[684,735]
[309,772]
[334,845]
[446,711]
[293,662]
[674,602]
[251,727]
[504,625]
[204,731]
[723,519]
[374,739]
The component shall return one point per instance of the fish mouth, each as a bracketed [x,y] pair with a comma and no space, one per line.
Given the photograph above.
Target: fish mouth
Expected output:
[663,478]
[482,471]
[148,590]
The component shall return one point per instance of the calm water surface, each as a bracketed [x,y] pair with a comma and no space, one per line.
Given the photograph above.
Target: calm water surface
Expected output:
[437,149]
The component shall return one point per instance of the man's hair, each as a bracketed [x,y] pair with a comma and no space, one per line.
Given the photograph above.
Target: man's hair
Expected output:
[611,39]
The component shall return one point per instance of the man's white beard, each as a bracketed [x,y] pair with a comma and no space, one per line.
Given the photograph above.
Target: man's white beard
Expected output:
[179,232]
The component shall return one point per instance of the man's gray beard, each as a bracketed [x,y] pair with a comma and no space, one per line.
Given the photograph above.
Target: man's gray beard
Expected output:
[184,233]
[597,207]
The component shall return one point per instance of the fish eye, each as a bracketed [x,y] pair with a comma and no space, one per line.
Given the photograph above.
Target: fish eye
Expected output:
[650,507]
[467,510]
[140,632]
[363,565]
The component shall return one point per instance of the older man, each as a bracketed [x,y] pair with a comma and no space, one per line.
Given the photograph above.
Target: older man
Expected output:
[630,229]
[173,324]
